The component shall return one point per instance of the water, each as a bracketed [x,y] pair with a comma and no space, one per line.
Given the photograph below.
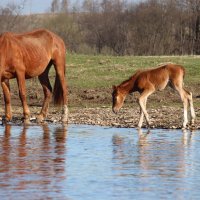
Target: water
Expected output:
[89,162]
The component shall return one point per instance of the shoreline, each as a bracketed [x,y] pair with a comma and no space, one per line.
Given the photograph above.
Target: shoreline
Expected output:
[160,118]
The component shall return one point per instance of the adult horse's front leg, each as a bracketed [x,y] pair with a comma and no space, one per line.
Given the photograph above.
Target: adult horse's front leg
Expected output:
[22,94]
[6,92]
[47,89]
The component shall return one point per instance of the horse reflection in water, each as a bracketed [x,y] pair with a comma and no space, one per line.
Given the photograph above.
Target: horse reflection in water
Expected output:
[35,162]
[149,155]
[164,157]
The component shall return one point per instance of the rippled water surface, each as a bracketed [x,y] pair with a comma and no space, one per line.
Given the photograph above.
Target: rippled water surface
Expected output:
[88,162]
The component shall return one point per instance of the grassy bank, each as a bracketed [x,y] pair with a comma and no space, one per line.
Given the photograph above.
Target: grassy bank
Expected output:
[86,71]
[91,77]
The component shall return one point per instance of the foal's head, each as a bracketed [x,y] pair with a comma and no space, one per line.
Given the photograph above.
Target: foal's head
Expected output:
[118,97]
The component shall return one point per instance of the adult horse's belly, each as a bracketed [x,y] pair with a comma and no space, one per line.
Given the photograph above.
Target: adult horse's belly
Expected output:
[35,70]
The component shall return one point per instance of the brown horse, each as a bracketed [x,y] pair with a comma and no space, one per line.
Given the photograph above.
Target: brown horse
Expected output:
[148,81]
[27,55]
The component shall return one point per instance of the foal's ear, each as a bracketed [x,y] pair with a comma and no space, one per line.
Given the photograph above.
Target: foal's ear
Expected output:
[114,87]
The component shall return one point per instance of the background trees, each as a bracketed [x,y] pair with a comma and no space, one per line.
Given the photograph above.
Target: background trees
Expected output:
[119,27]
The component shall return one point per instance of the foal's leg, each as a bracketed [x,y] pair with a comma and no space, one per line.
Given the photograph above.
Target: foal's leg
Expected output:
[22,94]
[184,98]
[141,115]
[6,92]
[192,112]
[142,102]
[47,89]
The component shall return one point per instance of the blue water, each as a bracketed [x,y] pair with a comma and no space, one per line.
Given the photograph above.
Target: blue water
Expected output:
[90,162]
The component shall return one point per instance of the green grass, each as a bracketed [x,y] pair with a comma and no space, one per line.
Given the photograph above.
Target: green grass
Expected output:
[86,71]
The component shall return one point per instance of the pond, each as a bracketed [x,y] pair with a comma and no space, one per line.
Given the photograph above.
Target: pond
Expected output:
[91,162]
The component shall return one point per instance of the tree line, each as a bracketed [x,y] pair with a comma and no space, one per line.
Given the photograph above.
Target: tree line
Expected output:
[117,27]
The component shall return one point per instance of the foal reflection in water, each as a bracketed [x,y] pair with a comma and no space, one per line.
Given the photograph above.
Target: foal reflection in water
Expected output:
[148,81]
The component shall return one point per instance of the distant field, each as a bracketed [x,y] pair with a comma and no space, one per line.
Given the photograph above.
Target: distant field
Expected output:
[86,71]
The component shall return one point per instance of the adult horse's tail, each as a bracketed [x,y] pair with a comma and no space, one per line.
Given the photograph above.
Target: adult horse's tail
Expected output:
[59,95]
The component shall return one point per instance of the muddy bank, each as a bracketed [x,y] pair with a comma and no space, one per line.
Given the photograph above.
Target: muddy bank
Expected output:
[93,107]
[163,117]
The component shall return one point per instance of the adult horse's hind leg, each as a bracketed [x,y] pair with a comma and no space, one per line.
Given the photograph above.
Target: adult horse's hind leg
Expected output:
[60,88]
[6,92]
[47,89]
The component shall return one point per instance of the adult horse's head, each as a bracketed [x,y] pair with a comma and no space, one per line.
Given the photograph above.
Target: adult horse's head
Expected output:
[118,97]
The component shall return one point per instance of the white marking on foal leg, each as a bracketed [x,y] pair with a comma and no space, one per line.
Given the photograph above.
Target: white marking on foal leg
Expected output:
[185,105]
[142,114]
[142,103]
[184,97]
[192,112]
[65,114]
[141,119]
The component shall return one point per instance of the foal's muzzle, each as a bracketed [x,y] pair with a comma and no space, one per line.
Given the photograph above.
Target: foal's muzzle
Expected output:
[115,110]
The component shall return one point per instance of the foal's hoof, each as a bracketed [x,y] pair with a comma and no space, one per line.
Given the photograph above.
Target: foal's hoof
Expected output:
[27,121]
[192,123]
[39,119]
[64,120]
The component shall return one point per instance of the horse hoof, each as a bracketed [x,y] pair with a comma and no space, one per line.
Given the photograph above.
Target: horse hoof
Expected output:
[5,120]
[64,120]
[192,123]
[27,121]
[39,119]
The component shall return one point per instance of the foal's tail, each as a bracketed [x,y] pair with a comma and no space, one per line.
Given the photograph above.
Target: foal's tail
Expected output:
[58,91]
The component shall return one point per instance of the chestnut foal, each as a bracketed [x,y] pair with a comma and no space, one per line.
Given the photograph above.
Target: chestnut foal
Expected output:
[148,81]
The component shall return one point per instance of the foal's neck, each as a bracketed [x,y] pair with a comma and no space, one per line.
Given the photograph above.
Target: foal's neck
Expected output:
[128,86]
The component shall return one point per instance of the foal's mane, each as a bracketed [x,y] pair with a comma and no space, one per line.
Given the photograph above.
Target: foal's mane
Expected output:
[127,82]
[131,79]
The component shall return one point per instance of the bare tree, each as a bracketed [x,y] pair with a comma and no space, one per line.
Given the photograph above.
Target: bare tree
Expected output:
[64,6]
[55,6]
[151,27]
[10,18]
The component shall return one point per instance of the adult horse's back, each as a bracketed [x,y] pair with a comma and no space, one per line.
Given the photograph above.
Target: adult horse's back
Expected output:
[28,55]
